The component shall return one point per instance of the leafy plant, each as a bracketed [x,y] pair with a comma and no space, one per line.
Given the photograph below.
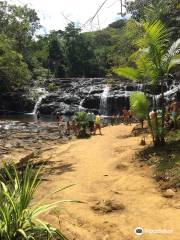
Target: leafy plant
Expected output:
[139,106]
[18,215]
[82,119]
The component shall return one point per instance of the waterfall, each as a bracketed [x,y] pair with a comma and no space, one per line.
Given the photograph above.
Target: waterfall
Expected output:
[81,108]
[168,94]
[103,101]
[43,94]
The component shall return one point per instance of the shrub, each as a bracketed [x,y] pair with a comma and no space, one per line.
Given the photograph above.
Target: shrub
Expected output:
[82,120]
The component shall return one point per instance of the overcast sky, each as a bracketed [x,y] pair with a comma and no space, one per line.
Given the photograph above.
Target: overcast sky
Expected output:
[79,11]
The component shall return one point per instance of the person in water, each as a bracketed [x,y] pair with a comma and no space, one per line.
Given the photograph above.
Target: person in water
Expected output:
[97,124]
[58,116]
[38,115]
[113,119]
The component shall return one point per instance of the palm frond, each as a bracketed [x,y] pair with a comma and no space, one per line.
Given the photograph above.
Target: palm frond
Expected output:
[127,72]
[174,61]
[175,48]
[155,39]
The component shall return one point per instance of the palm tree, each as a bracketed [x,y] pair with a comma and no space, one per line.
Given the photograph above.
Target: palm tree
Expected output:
[153,61]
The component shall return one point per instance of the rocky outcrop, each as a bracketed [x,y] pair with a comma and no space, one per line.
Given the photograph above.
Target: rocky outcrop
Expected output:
[16,102]
[76,94]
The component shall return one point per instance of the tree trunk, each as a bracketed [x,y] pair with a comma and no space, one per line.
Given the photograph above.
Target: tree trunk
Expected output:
[151,128]
[163,111]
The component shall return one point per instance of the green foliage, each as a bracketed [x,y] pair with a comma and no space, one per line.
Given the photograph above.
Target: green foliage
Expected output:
[18,215]
[13,70]
[52,87]
[166,11]
[18,23]
[82,119]
[71,53]
[139,105]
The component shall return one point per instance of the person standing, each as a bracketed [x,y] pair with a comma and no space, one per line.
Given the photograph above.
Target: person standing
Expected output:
[175,108]
[98,124]
[58,116]
[130,116]
[113,118]
[125,115]
[91,120]
[61,126]
[38,115]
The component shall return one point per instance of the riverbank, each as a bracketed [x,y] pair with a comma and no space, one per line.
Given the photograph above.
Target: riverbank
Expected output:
[117,189]
[21,140]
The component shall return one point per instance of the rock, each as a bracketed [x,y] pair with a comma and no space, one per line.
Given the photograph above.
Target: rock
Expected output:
[8,145]
[27,157]
[16,101]
[18,145]
[107,206]
[169,193]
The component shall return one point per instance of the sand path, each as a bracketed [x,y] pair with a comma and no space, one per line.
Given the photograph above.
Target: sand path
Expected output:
[107,177]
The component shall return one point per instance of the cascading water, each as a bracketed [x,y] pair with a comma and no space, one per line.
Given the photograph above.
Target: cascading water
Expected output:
[103,101]
[81,108]
[168,95]
[43,94]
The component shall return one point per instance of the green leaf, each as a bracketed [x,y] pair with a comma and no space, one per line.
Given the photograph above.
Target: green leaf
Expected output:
[174,61]
[127,72]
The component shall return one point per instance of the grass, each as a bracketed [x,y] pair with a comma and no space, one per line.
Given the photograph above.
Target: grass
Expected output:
[165,161]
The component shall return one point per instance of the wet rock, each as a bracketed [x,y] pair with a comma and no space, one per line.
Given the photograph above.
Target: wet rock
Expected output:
[87,92]
[17,101]
[18,145]
[169,193]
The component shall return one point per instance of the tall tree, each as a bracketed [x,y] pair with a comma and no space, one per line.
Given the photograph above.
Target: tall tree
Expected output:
[13,70]
[168,11]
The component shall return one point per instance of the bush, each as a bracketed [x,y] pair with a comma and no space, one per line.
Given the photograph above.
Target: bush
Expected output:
[82,119]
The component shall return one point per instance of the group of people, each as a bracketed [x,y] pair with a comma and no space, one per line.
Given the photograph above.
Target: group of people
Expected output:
[172,110]
[93,121]
[125,118]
